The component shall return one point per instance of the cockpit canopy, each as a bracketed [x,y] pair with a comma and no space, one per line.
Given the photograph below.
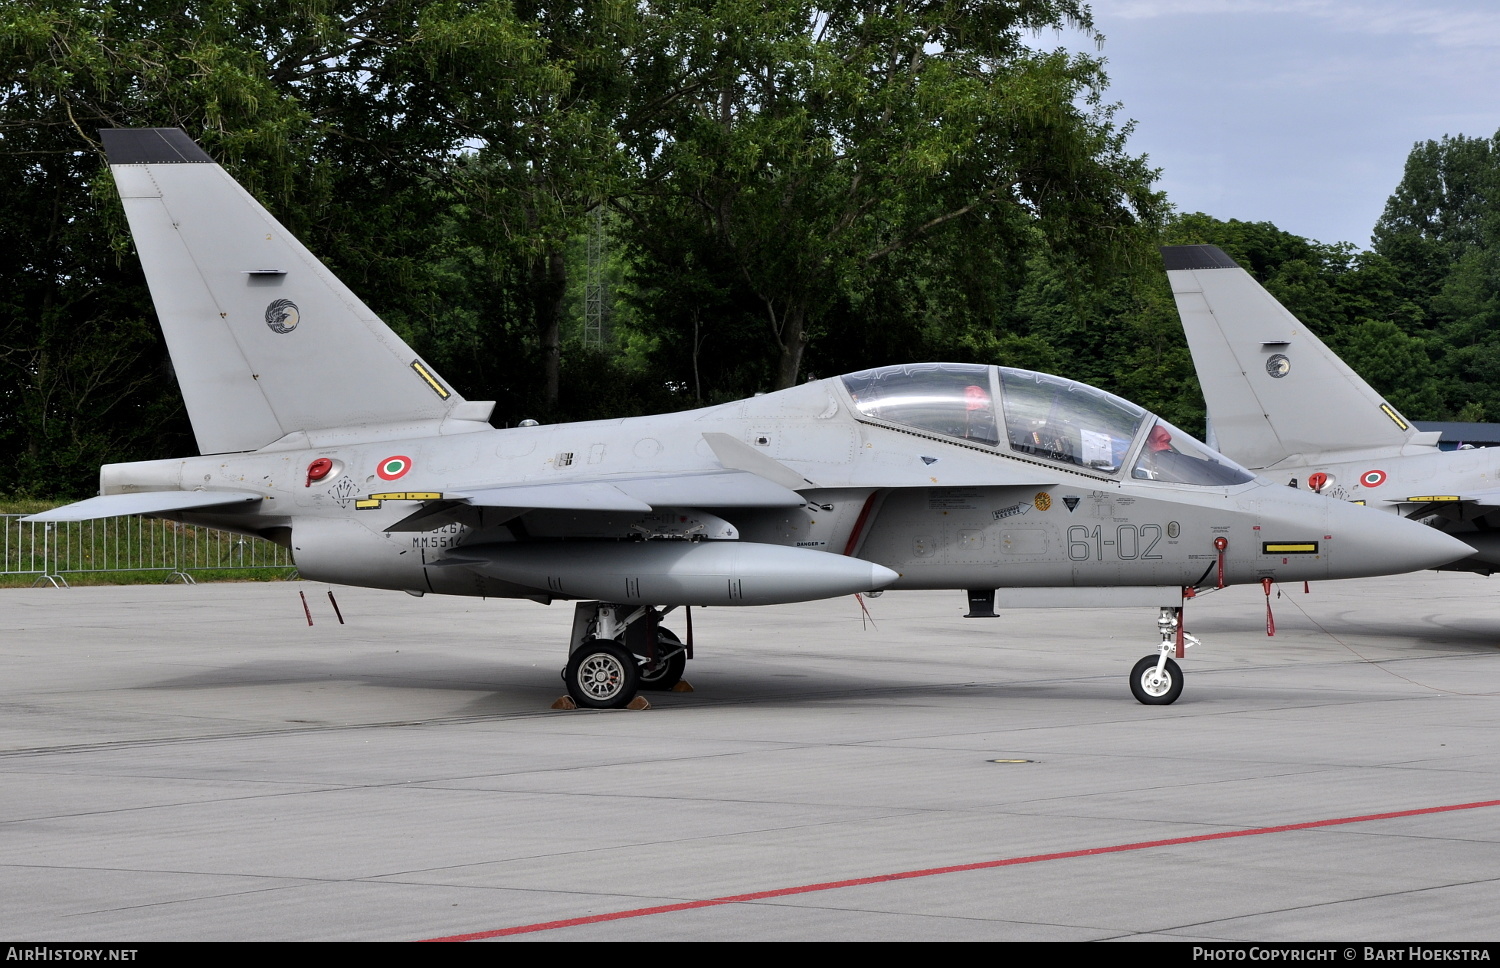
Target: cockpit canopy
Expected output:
[1039,416]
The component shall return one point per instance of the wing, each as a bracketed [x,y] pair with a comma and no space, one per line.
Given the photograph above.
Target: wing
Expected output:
[638,494]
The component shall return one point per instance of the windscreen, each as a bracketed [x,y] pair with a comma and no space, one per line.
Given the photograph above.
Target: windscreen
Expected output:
[1172,456]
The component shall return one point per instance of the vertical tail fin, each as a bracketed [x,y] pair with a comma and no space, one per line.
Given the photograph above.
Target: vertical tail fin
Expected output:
[1273,389]
[267,344]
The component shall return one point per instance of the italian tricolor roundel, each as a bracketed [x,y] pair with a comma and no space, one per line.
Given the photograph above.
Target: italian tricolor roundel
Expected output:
[1372,478]
[393,467]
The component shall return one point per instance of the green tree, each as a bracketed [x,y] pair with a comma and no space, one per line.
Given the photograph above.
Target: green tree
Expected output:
[796,150]
[345,117]
[1440,233]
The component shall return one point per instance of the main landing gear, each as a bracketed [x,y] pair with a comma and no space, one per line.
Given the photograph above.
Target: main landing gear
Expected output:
[617,650]
[1156,680]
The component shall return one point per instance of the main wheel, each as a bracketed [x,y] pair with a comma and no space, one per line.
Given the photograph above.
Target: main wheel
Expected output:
[1153,689]
[601,675]
[667,672]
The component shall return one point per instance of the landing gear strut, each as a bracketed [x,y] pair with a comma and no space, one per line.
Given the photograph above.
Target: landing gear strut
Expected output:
[671,662]
[1156,680]
[617,650]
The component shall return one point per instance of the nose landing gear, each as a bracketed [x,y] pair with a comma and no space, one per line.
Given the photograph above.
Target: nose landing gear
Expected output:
[1156,680]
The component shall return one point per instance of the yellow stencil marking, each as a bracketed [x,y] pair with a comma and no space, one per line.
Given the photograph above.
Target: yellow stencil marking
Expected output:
[430,380]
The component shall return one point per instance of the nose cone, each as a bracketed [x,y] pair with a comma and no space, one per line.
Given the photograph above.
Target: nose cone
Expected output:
[1368,542]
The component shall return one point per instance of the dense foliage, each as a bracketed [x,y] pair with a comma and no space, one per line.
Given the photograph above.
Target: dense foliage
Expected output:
[787,190]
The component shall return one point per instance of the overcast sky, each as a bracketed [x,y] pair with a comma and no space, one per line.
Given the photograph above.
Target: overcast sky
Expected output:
[1297,112]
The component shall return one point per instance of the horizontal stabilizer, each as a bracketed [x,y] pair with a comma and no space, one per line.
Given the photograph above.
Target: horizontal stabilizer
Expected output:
[146,502]
[1273,389]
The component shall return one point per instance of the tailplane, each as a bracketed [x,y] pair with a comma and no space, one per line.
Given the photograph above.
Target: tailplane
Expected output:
[269,347]
[1273,390]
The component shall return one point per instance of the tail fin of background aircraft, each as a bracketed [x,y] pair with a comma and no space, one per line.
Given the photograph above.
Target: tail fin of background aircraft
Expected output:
[268,345]
[1273,389]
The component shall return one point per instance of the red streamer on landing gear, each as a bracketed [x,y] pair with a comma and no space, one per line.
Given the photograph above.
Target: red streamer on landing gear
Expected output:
[1181,630]
[1265,584]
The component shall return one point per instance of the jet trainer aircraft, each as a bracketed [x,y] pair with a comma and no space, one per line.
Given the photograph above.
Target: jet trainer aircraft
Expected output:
[320,429]
[1282,403]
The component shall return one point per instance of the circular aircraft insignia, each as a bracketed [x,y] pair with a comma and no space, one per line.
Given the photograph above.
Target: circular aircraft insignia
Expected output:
[282,316]
[1372,478]
[1278,365]
[1043,501]
[393,467]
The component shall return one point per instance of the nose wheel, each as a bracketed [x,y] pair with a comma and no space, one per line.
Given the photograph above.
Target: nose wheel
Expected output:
[1156,682]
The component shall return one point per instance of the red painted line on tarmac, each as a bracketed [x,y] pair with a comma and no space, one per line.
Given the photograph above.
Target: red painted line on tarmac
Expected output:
[955,869]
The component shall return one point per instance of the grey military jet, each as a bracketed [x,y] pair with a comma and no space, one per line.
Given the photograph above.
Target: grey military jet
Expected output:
[320,429]
[1283,404]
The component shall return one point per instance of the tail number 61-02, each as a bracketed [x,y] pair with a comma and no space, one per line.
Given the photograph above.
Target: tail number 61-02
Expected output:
[1129,543]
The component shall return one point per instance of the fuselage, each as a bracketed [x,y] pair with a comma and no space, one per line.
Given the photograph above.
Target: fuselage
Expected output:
[940,509]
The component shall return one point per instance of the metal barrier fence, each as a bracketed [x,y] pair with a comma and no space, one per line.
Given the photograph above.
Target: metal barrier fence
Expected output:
[53,551]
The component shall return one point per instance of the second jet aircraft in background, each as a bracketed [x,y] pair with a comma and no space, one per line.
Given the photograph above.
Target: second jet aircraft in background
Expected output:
[1283,404]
